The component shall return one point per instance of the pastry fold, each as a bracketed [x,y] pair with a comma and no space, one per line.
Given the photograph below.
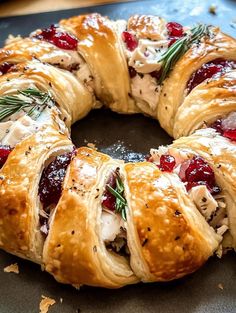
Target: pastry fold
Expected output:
[167,236]
[217,45]
[74,252]
[19,205]
[206,103]
[100,46]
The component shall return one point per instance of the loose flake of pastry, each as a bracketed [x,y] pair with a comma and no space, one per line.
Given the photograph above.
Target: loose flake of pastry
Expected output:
[212,9]
[220,286]
[45,303]
[92,145]
[13,268]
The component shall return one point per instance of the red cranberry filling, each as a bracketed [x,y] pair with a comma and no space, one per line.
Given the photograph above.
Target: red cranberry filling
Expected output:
[50,185]
[208,70]
[109,200]
[217,125]
[4,153]
[167,163]
[130,41]
[132,72]
[175,31]
[228,133]
[60,39]
[156,74]
[5,67]
[198,172]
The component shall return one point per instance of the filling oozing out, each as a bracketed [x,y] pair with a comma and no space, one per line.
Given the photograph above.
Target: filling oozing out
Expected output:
[199,180]
[226,126]
[208,70]
[114,215]
[4,153]
[59,38]
[50,187]
[144,61]
[67,55]
[23,113]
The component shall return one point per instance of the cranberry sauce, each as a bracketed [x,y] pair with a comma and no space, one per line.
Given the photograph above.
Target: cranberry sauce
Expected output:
[193,172]
[5,67]
[130,41]
[226,131]
[60,39]
[50,185]
[197,172]
[175,31]
[108,199]
[208,70]
[167,163]
[4,153]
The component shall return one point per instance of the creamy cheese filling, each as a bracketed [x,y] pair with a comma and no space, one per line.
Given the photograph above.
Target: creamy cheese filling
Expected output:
[145,90]
[146,58]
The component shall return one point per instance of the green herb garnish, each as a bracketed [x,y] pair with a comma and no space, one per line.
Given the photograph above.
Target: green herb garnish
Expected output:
[30,100]
[121,202]
[178,49]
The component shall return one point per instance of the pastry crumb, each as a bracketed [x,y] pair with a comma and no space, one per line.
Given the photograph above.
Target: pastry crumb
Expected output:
[92,145]
[212,9]
[220,286]
[13,268]
[45,303]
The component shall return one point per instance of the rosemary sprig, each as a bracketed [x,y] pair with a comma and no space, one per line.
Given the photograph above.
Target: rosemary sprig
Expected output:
[178,49]
[121,202]
[30,99]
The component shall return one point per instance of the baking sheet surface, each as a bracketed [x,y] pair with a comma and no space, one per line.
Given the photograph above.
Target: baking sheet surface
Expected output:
[212,288]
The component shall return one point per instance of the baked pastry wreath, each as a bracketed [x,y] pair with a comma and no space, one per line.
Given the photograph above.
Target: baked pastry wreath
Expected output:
[90,219]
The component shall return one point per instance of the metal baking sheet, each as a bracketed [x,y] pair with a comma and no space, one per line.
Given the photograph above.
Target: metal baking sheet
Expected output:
[211,289]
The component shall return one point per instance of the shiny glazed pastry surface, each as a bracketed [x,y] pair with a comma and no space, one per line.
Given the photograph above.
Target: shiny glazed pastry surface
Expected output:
[116,223]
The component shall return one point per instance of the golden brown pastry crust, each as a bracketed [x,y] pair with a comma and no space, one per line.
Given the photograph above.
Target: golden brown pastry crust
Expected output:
[147,26]
[172,237]
[73,251]
[19,205]
[102,50]
[174,87]
[206,103]
[25,49]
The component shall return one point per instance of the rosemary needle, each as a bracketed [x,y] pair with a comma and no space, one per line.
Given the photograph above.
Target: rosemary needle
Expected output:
[30,98]
[121,203]
[178,49]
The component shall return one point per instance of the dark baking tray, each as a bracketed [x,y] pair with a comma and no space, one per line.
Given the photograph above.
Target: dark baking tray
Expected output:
[129,138]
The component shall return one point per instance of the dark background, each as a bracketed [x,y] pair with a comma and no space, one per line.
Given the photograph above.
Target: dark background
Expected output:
[129,138]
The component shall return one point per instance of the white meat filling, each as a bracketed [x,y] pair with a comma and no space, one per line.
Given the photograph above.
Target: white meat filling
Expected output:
[113,230]
[15,130]
[213,209]
[145,89]
[111,225]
